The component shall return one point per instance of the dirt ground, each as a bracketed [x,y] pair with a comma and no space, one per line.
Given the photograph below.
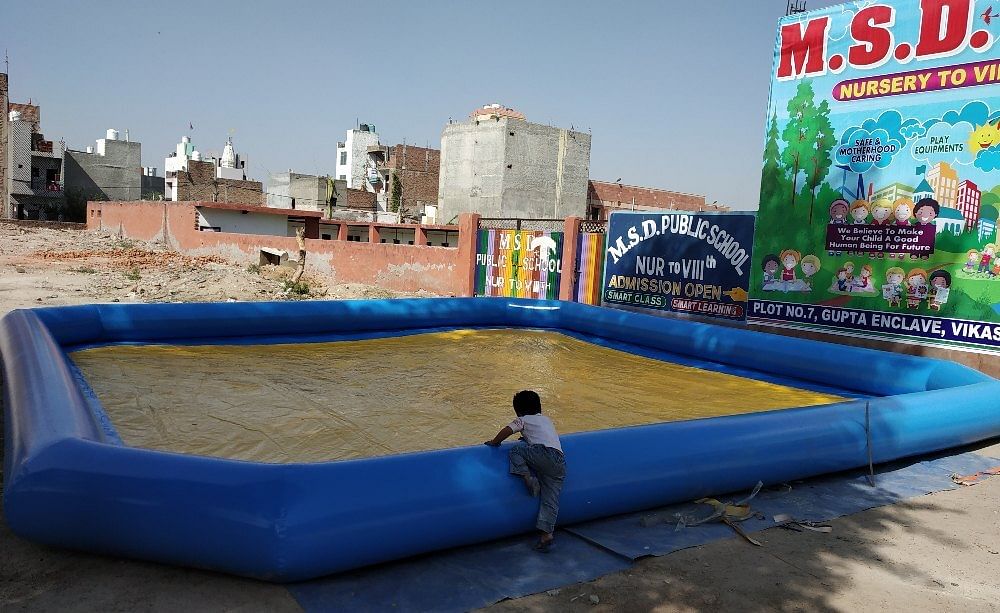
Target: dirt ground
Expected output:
[939,552]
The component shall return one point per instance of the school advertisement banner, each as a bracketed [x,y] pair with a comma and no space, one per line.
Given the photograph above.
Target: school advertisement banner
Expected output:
[880,187]
[690,263]
[519,264]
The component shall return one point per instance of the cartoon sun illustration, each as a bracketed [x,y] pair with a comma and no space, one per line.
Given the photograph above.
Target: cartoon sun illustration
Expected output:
[985,136]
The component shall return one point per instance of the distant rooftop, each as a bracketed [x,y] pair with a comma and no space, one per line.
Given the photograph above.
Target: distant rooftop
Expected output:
[495,111]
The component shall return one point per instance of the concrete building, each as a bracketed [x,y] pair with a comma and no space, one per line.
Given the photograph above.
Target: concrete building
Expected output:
[893,192]
[34,168]
[188,176]
[354,165]
[417,170]
[604,198]
[944,181]
[498,164]
[292,190]
[968,202]
[110,171]
[329,196]
[152,185]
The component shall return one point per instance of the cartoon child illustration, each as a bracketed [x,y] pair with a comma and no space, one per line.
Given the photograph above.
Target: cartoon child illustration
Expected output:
[859,215]
[971,260]
[881,211]
[838,216]
[893,288]
[916,283]
[881,214]
[842,280]
[940,288]
[989,251]
[859,212]
[770,266]
[925,211]
[849,267]
[902,212]
[789,259]
[810,265]
[864,282]
[838,211]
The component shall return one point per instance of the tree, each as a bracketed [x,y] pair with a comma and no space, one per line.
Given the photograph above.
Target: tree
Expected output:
[799,141]
[396,194]
[823,140]
[773,173]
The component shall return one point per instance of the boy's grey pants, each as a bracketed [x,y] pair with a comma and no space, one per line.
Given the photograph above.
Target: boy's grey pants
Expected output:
[549,466]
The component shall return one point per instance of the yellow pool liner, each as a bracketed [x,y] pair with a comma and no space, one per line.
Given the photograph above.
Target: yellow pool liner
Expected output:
[331,401]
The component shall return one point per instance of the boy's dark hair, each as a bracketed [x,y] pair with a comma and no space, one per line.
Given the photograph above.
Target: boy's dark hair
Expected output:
[928,202]
[527,402]
[940,274]
[770,258]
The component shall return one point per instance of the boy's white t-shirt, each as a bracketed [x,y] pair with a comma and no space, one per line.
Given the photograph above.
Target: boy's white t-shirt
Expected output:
[536,430]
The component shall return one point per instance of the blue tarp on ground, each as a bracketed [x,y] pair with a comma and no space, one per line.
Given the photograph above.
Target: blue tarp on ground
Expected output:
[471,577]
[654,533]
[460,579]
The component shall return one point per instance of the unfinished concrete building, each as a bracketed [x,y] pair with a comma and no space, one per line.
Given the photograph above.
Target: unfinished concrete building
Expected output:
[110,171]
[34,168]
[498,164]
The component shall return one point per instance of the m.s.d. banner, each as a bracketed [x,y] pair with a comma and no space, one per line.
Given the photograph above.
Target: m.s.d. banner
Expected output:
[880,179]
[690,263]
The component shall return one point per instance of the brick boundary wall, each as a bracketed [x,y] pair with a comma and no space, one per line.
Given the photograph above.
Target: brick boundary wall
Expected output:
[407,268]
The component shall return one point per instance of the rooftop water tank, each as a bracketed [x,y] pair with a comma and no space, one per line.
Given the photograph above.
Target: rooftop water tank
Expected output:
[196,156]
[185,139]
[112,134]
[90,149]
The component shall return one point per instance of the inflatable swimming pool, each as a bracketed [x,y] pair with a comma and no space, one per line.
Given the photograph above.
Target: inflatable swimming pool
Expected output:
[70,481]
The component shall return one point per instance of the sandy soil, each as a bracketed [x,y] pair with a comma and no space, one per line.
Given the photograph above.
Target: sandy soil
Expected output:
[939,552]
[48,267]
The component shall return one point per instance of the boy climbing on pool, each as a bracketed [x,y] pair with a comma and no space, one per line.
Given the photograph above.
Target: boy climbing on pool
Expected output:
[538,460]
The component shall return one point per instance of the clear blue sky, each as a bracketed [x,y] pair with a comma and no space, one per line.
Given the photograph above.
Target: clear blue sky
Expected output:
[675,93]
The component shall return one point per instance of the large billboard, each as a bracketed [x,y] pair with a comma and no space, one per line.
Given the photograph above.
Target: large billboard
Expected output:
[685,263]
[881,174]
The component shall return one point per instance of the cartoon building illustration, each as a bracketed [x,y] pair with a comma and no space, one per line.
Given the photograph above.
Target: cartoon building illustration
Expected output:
[987,222]
[944,181]
[950,220]
[924,190]
[968,202]
[894,192]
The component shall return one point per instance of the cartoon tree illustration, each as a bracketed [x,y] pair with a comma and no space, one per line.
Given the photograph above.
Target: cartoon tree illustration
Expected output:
[773,173]
[821,131]
[799,133]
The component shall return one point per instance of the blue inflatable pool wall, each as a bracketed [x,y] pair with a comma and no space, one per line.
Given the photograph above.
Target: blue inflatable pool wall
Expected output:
[70,482]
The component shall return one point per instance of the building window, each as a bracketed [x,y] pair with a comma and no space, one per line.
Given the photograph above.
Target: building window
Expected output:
[327,237]
[343,158]
[343,177]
